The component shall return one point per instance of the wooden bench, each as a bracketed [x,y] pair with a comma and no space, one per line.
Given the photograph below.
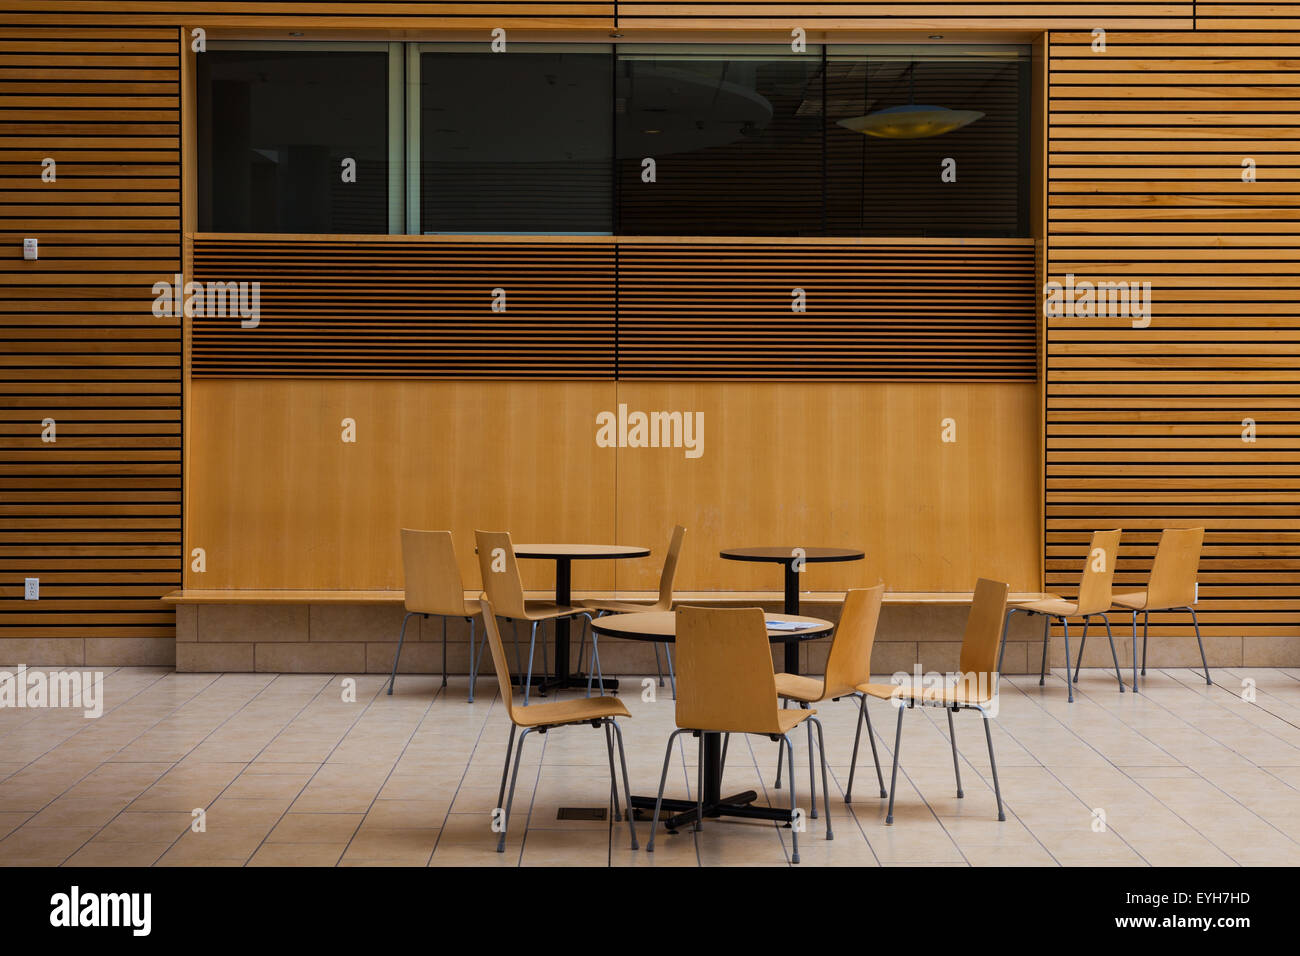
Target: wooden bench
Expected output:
[397,598]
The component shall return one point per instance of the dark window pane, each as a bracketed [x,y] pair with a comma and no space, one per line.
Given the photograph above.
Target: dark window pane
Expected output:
[274,129]
[736,137]
[516,142]
[892,187]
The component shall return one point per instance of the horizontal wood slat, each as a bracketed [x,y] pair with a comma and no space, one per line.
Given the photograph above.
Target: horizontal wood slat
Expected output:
[1145,425]
[337,308]
[933,312]
[95,514]
[422,308]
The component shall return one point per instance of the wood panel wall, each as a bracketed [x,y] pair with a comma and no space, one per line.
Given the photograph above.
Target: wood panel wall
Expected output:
[665,14]
[1145,425]
[422,307]
[278,500]
[95,514]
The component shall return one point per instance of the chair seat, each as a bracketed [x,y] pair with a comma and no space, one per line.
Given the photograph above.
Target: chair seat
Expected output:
[472,609]
[619,607]
[548,610]
[969,691]
[807,690]
[1135,600]
[576,711]
[1057,607]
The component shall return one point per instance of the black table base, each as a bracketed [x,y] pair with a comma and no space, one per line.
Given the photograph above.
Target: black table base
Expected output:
[674,813]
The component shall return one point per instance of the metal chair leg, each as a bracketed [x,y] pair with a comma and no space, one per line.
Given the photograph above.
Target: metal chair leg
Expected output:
[1042,668]
[812,773]
[1197,624]
[627,790]
[726,742]
[1146,627]
[826,786]
[699,785]
[857,736]
[952,739]
[595,658]
[532,645]
[780,750]
[1113,656]
[475,660]
[444,651]
[672,678]
[1065,625]
[514,630]
[510,799]
[893,779]
[505,771]
[659,668]
[875,754]
[1135,652]
[993,765]
[794,832]
[397,657]
[613,777]
[1078,662]
[663,779]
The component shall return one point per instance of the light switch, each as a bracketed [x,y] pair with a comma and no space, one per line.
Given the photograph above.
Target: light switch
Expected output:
[29,248]
[31,589]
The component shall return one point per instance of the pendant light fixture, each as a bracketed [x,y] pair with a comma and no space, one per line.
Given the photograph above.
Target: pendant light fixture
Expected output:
[913,121]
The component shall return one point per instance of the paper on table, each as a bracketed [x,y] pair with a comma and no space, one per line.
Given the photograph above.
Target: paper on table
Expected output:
[773,625]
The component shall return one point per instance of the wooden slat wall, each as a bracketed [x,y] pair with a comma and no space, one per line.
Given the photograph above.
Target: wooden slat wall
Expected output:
[421,308]
[889,311]
[1144,426]
[97,514]
[1007,14]
[670,14]
[410,308]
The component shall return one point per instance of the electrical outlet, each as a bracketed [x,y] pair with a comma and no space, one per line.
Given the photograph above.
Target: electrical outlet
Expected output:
[31,589]
[29,249]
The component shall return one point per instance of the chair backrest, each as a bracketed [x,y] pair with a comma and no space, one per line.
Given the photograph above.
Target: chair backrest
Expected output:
[433,582]
[1173,574]
[979,645]
[665,602]
[501,581]
[849,662]
[725,679]
[1099,572]
[499,660]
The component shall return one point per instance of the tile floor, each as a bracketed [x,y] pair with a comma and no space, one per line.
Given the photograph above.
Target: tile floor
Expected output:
[288,773]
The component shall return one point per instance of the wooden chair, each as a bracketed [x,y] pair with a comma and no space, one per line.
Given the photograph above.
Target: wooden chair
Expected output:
[665,603]
[505,589]
[434,586]
[847,666]
[1171,587]
[1094,601]
[541,718]
[974,688]
[726,684]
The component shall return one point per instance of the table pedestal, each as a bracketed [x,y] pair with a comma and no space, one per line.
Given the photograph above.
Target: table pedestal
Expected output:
[565,678]
[675,814]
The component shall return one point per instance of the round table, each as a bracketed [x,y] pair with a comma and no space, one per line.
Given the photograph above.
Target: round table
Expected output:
[787,557]
[564,555]
[662,626]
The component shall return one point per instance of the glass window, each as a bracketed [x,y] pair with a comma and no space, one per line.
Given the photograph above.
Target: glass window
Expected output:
[735,137]
[893,183]
[275,129]
[516,142]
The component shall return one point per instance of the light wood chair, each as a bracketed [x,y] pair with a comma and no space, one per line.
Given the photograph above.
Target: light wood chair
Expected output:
[847,665]
[505,589]
[726,684]
[974,688]
[665,603]
[434,587]
[1094,601]
[1171,587]
[540,718]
